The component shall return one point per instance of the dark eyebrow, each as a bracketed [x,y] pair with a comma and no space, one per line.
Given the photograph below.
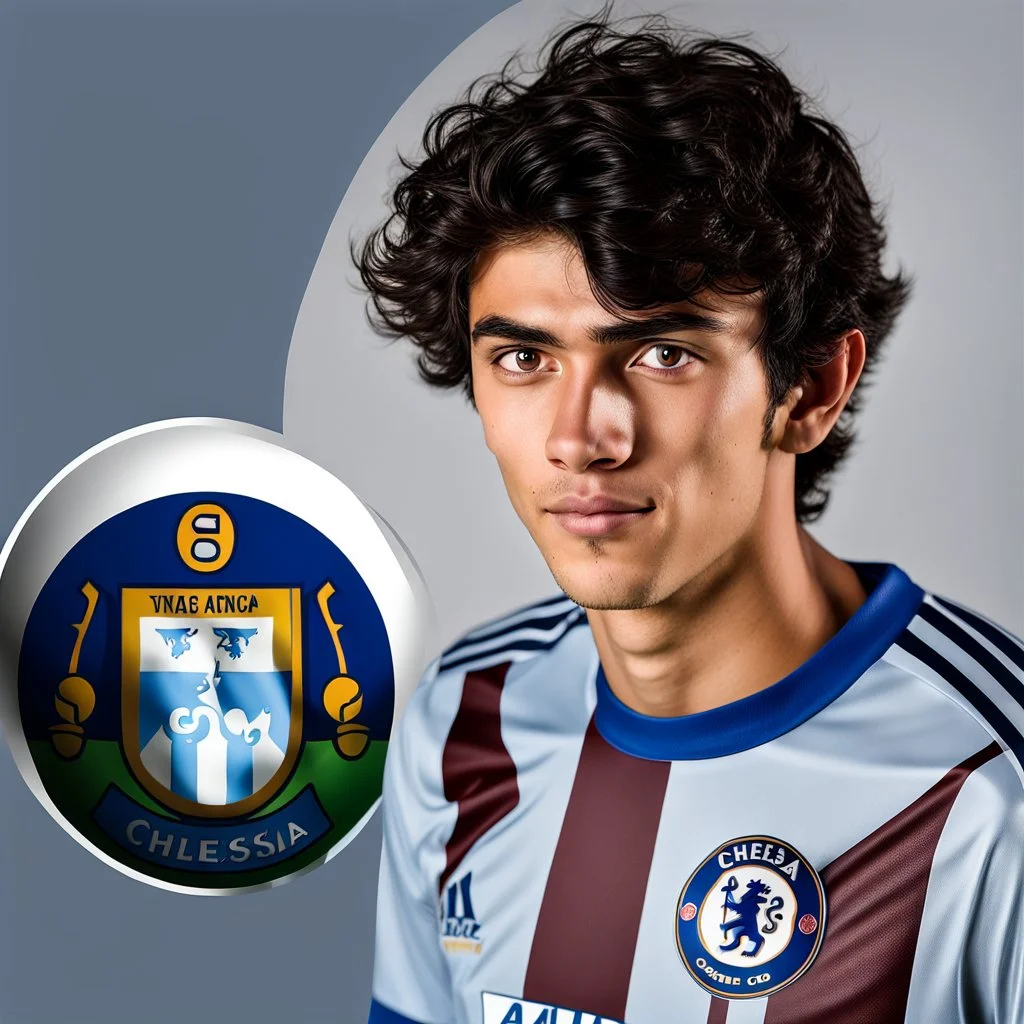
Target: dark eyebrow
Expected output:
[496,326]
[664,323]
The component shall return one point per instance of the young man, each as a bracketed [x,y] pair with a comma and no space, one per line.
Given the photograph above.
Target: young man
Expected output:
[724,775]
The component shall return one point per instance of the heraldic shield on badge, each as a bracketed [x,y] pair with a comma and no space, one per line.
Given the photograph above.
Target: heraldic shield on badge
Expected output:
[206,688]
[211,702]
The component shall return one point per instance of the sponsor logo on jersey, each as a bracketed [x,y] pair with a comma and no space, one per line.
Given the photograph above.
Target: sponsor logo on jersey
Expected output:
[460,929]
[750,918]
[498,1009]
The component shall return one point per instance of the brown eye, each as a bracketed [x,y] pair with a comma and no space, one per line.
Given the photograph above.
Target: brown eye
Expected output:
[666,357]
[523,360]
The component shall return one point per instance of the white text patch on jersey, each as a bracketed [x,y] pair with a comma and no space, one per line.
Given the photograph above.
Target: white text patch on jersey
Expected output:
[506,1010]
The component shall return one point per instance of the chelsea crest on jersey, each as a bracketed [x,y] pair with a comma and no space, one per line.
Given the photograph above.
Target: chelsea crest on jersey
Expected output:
[846,845]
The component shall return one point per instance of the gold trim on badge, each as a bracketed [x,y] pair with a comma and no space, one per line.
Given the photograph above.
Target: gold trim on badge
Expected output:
[75,699]
[342,697]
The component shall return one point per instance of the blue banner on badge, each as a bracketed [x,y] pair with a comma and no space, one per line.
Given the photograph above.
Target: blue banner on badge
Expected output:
[208,846]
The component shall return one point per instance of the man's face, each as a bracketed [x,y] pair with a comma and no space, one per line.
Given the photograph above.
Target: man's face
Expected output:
[666,420]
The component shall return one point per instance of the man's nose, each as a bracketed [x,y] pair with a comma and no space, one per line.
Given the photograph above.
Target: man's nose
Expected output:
[593,423]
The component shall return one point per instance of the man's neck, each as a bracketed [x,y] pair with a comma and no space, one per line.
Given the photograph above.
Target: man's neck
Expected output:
[745,623]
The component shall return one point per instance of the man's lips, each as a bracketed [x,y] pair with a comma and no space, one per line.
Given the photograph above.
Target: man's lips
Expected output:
[590,504]
[596,515]
[598,524]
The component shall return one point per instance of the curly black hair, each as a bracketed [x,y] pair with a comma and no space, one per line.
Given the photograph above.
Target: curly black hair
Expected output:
[674,161]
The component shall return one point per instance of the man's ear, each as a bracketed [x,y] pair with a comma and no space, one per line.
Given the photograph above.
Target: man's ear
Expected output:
[818,401]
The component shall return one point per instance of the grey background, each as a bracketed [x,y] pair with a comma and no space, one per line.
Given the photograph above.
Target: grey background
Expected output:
[170,172]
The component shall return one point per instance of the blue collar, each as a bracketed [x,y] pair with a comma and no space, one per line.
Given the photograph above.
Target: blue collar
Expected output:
[892,601]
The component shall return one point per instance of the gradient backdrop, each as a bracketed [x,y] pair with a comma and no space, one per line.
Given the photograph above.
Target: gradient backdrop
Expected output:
[170,227]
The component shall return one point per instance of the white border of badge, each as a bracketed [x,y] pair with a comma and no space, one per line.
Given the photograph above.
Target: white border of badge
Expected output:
[208,454]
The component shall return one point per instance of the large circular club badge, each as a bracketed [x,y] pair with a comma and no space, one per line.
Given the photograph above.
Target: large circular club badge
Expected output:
[206,640]
[750,918]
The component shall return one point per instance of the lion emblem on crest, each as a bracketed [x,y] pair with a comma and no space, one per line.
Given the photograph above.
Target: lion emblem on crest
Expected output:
[746,910]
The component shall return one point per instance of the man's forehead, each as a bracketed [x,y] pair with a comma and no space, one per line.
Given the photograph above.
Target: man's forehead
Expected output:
[547,270]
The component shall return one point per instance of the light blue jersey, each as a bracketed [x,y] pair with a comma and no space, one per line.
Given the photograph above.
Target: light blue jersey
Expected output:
[845,846]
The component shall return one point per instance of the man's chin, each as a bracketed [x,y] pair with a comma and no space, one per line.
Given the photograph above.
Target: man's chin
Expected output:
[615,593]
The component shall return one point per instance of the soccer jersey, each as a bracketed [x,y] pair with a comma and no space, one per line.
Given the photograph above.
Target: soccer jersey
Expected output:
[844,846]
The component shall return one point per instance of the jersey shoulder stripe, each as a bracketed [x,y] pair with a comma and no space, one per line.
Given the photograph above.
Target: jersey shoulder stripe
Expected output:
[523,634]
[434,703]
[546,608]
[956,634]
[986,686]
[1012,646]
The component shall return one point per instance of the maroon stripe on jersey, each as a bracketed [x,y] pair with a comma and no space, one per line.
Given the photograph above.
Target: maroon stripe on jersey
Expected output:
[477,770]
[875,895]
[718,1011]
[583,946]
